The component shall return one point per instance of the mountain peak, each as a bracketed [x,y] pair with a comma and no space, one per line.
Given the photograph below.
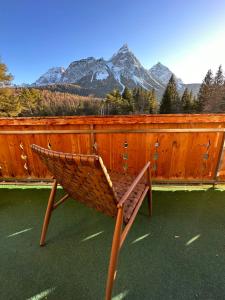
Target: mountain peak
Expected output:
[122,69]
[159,65]
[124,49]
[163,74]
[124,58]
[53,75]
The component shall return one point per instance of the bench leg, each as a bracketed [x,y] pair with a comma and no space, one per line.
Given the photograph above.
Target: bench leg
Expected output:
[48,213]
[149,191]
[114,254]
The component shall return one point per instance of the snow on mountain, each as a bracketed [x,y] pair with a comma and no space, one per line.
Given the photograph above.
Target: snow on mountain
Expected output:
[94,68]
[163,74]
[101,76]
[128,71]
[52,76]
[123,68]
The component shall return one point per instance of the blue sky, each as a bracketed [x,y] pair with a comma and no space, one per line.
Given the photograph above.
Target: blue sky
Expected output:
[187,36]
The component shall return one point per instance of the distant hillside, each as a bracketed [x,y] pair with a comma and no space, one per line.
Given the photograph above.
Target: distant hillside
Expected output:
[39,102]
[67,88]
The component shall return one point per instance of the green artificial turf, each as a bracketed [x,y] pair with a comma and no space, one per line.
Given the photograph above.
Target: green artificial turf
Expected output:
[177,254]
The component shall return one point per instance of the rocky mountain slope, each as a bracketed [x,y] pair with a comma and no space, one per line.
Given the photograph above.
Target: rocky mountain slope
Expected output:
[52,76]
[163,74]
[101,76]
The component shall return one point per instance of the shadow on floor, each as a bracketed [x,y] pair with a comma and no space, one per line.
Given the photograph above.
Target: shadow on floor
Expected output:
[178,254]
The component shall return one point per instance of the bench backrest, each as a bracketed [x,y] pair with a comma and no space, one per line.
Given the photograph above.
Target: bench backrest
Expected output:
[83,177]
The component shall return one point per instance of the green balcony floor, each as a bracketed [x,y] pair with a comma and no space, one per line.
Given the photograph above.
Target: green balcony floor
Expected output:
[177,254]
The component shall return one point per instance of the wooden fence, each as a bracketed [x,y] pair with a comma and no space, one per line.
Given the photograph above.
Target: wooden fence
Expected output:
[181,148]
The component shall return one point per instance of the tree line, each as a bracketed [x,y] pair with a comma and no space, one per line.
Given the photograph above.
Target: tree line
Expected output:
[210,98]
[28,102]
[19,102]
[135,101]
[39,102]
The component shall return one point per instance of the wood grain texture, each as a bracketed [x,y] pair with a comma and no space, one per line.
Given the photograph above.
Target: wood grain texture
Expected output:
[186,156]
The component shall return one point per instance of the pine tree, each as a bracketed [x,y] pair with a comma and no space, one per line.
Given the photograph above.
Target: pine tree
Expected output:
[9,104]
[153,104]
[128,101]
[205,92]
[219,78]
[127,94]
[5,77]
[195,104]
[29,100]
[187,102]
[141,100]
[170,101]
[215,102]
[212,92]
[222,104]
[138,99]
[113,102]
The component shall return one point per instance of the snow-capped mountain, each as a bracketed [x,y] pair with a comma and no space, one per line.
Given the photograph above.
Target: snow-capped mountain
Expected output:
[163,74]
[123,69]
[101,76]
[128,71]
[53,75]
[97,69]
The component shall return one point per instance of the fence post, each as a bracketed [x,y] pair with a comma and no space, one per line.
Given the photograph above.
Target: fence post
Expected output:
[219,160]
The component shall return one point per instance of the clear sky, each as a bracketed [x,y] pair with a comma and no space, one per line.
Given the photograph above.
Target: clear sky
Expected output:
[187,36]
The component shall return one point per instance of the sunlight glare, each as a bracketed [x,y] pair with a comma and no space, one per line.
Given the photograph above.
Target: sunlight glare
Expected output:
[120,296]
[42,294]
[202,56]
[19,232]
[92,236]
[193,239]
[140,238]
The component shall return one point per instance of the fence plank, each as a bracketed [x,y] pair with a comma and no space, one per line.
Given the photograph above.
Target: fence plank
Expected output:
[180,147]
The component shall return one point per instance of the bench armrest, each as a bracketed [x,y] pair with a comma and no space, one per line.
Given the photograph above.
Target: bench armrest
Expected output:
[133,185]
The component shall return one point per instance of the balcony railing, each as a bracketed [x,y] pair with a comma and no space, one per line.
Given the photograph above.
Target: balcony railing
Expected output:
[182,148]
